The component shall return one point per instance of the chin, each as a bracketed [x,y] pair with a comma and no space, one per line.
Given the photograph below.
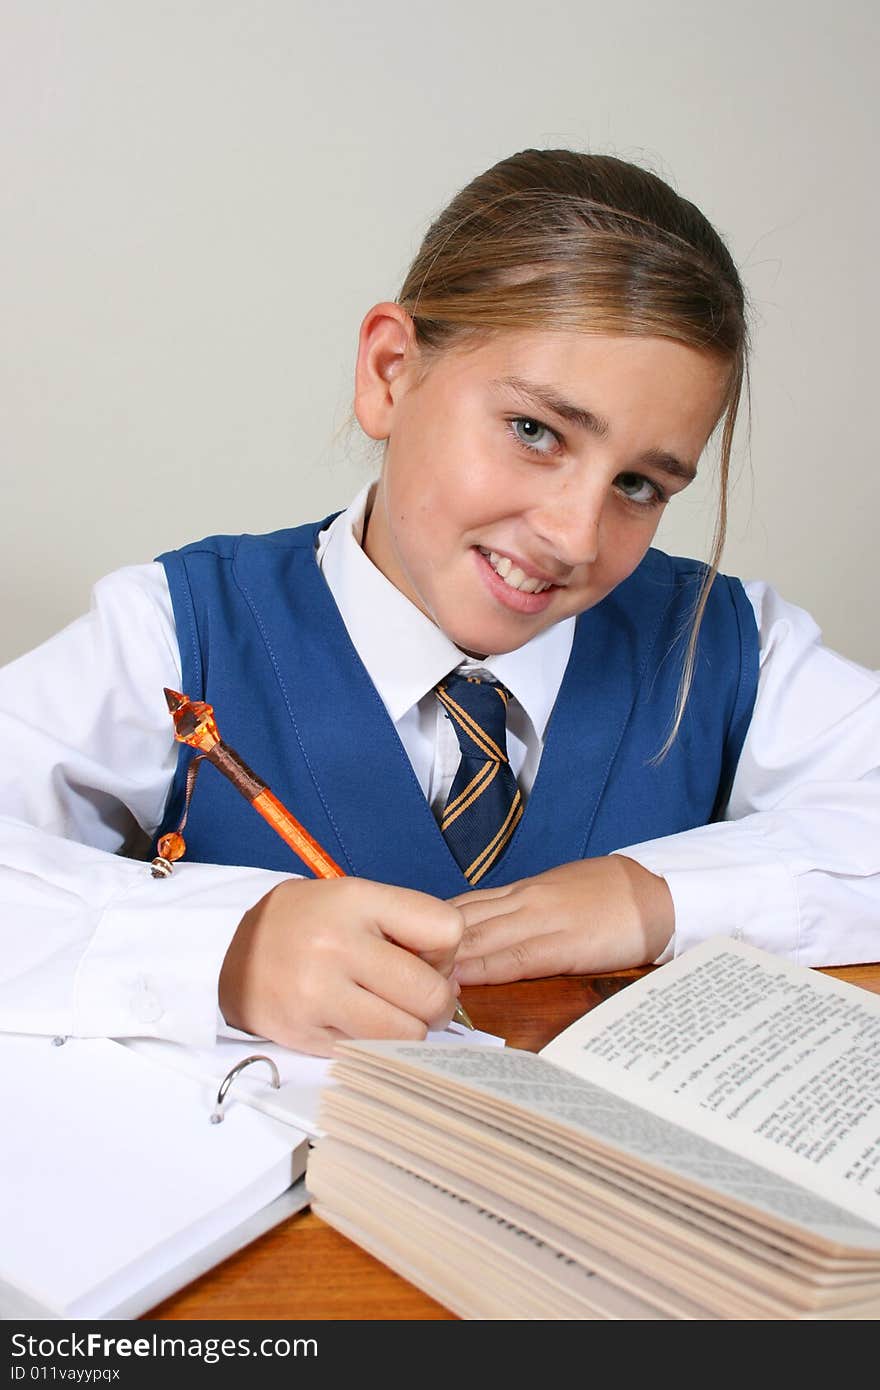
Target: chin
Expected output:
[485,639]
[479,647]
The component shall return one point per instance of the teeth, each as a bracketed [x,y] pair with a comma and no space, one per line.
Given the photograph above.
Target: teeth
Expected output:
[513,575]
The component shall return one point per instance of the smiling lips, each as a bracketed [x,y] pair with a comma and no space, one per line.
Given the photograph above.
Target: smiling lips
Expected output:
[512,575]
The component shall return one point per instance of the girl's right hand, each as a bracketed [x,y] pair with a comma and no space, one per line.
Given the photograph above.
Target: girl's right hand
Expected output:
[316,960]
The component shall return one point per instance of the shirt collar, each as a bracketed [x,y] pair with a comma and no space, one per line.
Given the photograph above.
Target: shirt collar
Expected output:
[404,652]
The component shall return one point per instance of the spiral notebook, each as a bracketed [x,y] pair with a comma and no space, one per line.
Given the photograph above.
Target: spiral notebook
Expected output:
[122,1179]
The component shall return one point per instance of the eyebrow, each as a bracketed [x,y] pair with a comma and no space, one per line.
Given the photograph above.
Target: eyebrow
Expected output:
[549,399]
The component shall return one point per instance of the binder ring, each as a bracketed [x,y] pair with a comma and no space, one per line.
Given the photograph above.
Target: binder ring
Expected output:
[217,1116]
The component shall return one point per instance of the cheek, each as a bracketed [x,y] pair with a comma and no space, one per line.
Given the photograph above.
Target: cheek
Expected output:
[451,502]
[407,493]
[437,495]
[625,542]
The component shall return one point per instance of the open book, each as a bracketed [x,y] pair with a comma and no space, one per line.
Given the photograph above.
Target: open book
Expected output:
[703,1145]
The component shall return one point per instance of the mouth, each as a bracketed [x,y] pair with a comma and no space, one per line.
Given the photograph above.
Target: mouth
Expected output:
[513,576]
[509,585]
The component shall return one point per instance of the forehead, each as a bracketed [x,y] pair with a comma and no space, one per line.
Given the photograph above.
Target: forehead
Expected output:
[591,373]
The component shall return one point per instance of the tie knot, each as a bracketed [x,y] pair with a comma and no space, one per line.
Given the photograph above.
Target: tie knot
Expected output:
[478,710]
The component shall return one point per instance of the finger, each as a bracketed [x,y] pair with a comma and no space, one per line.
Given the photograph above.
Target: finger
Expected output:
[319,1042]
[504,927]
[363,1014]
[476,915]
[528,959]
[441,961]
[405,982]
[415,920]
[389,1021]
[482,895]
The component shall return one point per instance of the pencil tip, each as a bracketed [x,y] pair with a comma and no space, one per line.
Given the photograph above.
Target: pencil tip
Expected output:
[461,1016]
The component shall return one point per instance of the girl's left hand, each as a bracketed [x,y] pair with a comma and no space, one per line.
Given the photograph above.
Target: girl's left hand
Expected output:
[583,918]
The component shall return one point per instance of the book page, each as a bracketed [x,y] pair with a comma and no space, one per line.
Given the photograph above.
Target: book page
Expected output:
[450,1265]
[518,1093]
[478,1263]
[586,1189]
[111,1172]
[775,1061]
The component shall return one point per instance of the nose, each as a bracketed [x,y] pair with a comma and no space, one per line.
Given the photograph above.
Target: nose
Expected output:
[569,524]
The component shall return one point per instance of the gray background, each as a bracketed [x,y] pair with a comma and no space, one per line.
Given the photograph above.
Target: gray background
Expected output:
[199,200]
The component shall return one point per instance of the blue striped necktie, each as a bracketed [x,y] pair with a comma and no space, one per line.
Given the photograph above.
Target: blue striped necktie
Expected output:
[484,806]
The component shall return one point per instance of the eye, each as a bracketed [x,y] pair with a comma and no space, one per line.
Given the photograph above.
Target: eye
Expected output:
[537,438]
[638,489]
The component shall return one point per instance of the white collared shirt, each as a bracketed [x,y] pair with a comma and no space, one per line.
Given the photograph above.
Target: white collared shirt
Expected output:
[93,945]
[406,654]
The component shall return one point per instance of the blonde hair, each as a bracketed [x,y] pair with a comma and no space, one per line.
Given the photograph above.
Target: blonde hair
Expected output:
[560,240]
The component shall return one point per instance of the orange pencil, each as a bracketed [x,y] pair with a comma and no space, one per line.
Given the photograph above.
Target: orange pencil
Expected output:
[194,725]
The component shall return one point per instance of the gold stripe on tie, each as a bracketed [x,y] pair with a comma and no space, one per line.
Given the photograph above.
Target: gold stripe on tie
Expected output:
[485,775]
[474,872]
[470,725]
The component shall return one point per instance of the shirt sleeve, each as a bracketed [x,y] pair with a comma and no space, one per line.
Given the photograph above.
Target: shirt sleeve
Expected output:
[92,944]
[794,865]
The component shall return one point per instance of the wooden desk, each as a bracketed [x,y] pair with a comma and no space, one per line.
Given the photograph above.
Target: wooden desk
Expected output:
[304,1270]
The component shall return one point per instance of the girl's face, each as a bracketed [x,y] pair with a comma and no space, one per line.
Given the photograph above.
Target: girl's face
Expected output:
[524,479]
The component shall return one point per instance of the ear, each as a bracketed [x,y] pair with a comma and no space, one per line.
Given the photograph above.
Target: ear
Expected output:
[386,344]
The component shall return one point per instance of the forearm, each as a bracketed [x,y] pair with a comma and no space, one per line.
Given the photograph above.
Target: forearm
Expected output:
[92,945]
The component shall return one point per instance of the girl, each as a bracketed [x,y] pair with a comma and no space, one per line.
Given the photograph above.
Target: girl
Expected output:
[534,744]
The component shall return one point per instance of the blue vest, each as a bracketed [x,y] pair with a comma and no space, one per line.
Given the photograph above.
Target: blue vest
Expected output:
[262,640]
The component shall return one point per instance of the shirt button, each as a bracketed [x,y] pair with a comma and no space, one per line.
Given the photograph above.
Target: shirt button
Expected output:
[145,1003]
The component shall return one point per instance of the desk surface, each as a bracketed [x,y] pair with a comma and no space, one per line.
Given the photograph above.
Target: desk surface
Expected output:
[305,1270]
